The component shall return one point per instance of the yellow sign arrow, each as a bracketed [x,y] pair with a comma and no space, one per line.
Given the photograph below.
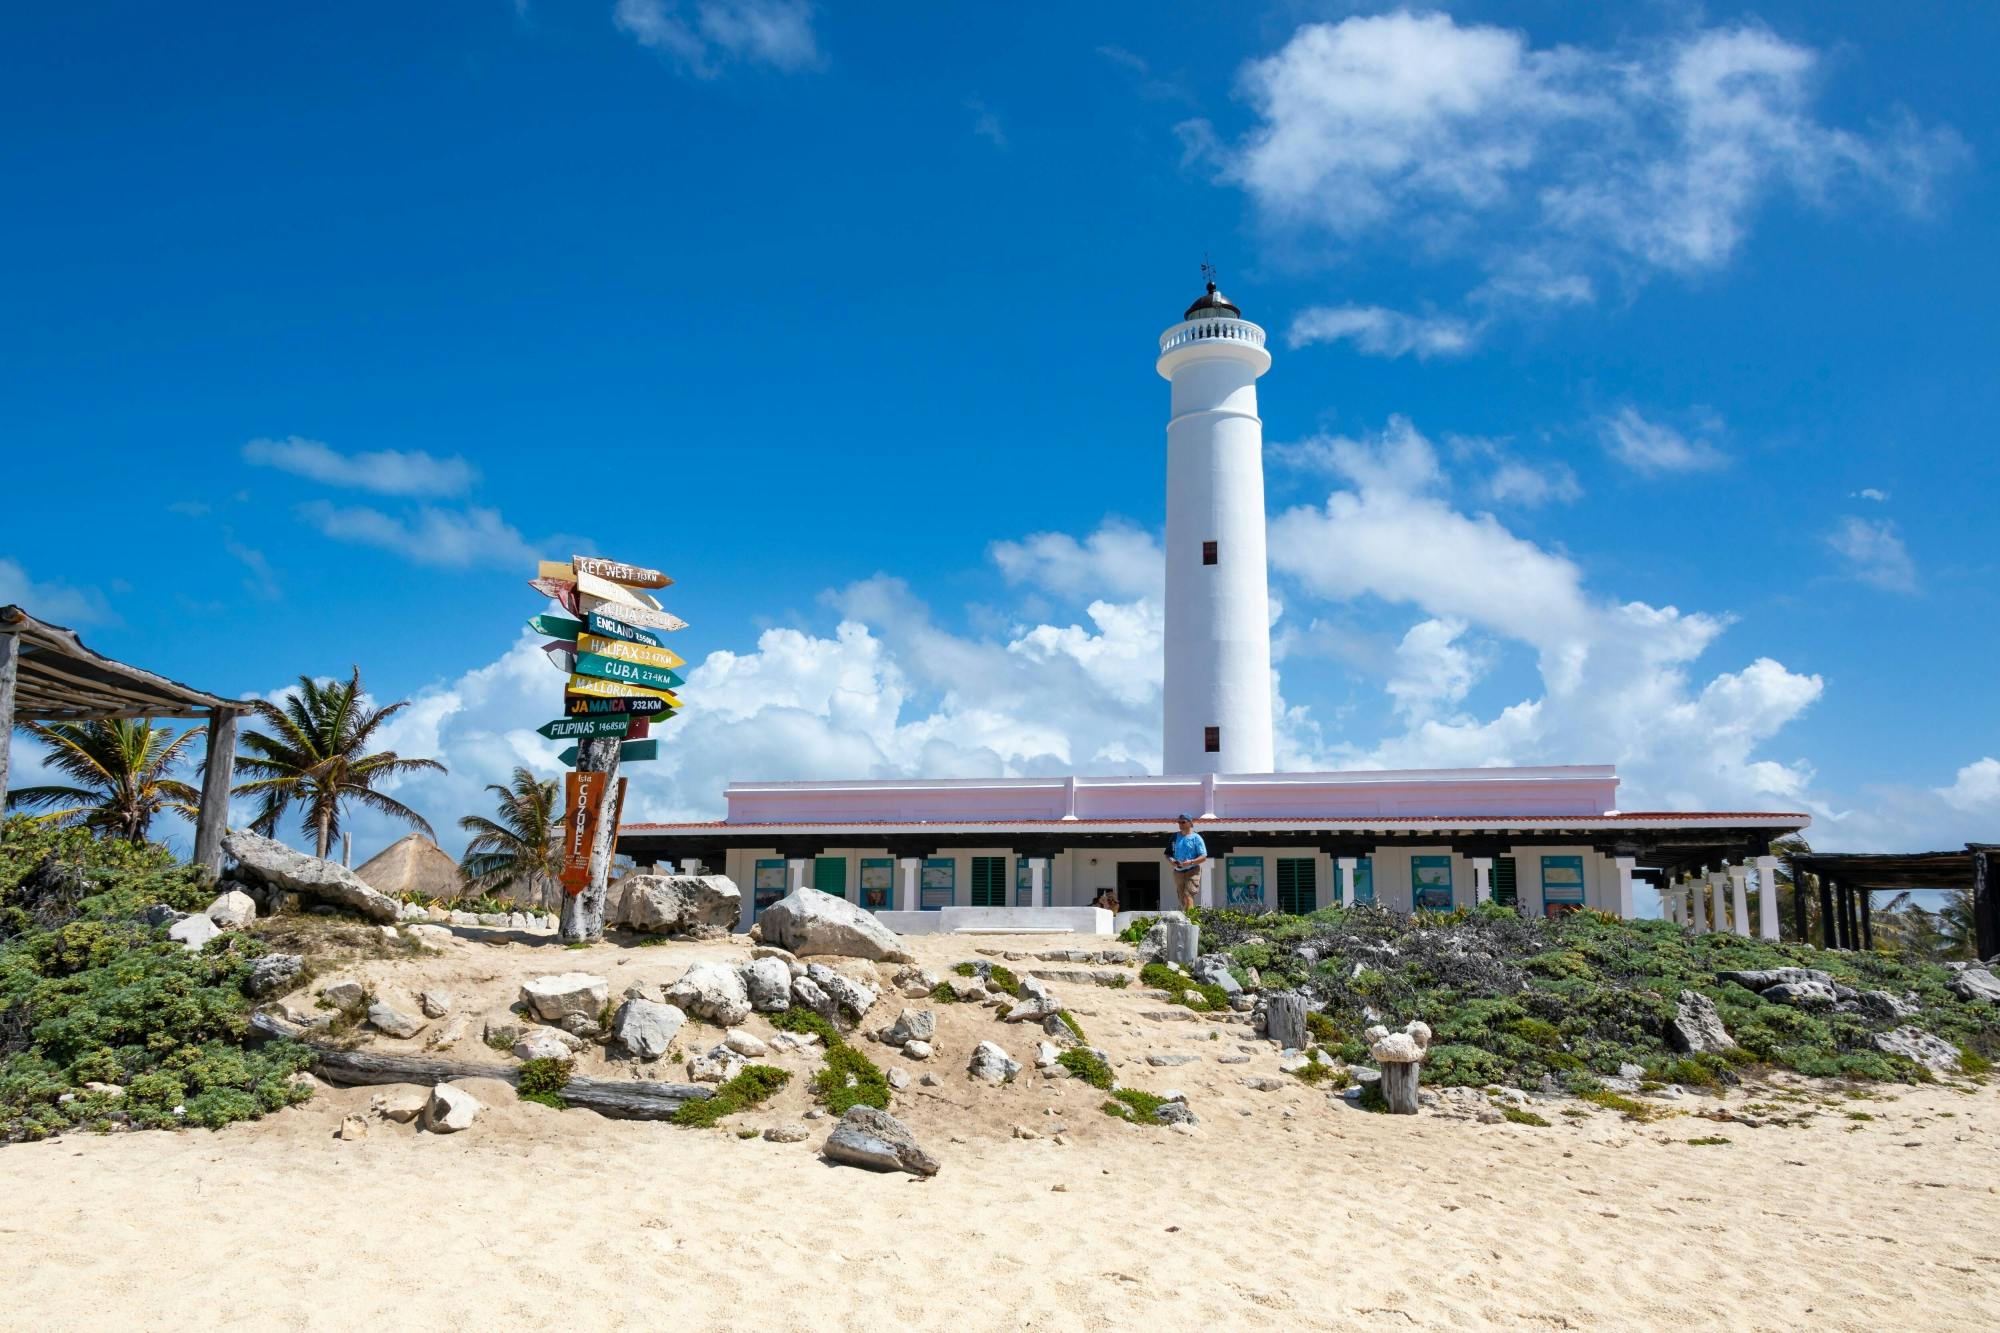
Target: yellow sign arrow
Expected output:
[618,689]
[625,651]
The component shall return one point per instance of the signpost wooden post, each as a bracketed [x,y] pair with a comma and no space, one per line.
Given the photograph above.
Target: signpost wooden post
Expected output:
[629,752]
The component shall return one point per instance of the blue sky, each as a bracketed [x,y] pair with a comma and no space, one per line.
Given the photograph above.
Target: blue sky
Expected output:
[1631,404]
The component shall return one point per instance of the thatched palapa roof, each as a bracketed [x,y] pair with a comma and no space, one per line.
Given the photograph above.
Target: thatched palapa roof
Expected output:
[412,863]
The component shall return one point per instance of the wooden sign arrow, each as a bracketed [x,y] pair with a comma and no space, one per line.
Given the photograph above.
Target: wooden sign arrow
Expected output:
[635,615]
[629,752]
[609,626]
[556,627]
[562,653]
[583,728]
[634,576]
[579,824]
[613,592]
[556,569]
[629,673]
[618,689]
[644,705]
[664,658]
[557,590]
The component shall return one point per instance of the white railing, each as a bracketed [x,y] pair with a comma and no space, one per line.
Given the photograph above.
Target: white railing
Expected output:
[1204,330]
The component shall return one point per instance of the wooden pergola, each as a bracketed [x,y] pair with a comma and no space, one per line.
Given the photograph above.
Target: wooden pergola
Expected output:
[1848,881]
[47,675]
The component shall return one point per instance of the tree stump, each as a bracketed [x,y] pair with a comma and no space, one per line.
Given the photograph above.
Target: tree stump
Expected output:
[1183,941]
[1285,1020]
[1399,1086]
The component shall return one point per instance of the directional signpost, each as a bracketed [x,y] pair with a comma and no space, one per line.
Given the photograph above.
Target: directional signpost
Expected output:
[619,679]
[629,752]
[583,728]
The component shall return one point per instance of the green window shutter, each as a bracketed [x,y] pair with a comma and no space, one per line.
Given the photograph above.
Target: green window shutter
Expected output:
[1298,888]
[830,875]
[1503,881]
[989,881]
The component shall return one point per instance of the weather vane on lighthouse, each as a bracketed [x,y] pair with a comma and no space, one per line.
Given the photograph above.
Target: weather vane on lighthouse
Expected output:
[1207,269]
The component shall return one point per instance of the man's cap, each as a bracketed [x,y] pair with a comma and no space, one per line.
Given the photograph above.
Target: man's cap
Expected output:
[1184,819]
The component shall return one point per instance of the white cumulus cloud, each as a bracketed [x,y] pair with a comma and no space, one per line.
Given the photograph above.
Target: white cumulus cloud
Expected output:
[704,36]
[1873,553]
[384,471]
[1380,332]
[1653,447]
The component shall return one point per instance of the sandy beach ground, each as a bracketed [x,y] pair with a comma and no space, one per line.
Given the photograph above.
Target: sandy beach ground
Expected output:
[1286,1209]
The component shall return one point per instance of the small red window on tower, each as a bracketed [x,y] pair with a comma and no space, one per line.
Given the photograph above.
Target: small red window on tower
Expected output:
[1208,553]
[1211,739]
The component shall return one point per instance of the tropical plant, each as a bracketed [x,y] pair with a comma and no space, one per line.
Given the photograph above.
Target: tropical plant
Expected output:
[120,770]
[316,756]
[520,851]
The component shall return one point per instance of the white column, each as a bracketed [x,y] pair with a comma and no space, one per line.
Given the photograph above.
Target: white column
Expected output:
[1482,879]
[909,866]
[1207,894]
[691,866]
[1624,865]
[1347,866]
[1208,796]
[798,868]
[1069,798]
[1038,882]
[1698,905]
[1739,898]
[1718,892]
[1767,897]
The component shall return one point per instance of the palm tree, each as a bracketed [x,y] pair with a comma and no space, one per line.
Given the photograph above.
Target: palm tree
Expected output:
[317,757]
[120,766]
[521,850]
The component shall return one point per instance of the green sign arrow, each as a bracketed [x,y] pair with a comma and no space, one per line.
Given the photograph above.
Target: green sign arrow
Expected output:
[613,628]
[629,752]
[581,728]
[555,627]
[632,673]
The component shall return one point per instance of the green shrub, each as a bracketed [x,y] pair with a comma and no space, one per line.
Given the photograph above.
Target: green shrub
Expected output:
[1321,1029]
[796,1019]
[1117,982]
[1182,989]
[543,1081]
[1517,1116]
[850,1079]
[90,993]
[1087,1066]
[1069,1021]
[942,993]
[1132,1104]
[1316,1071]
[1136,931]
[752,1086]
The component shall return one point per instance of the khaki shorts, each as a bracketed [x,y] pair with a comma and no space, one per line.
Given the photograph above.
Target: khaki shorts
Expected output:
[1187,883]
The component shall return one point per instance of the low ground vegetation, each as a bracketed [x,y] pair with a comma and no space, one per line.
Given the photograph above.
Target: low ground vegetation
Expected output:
[91,994]
[1512,1000]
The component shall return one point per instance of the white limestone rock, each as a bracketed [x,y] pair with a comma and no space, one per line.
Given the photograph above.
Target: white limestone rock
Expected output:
[916,1050]
[810,922]
[400,1102]
[767,981]
[277,866]
[274,974]
[394,1022]
[719,1064]
[645,1029]
[451,1109]
[1934,1054]
[546,1044]
[991,1063]
[674,904]
[231,910]
[551,998]
[852,998]
[877,1140]
[434,1003]
[193,931]
[1696,1026]
[746,1044]
[345,996]
[1976,983]
[911,1025]
[712,991]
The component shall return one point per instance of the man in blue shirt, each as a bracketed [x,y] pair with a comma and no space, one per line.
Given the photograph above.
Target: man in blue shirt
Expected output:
[1188,853]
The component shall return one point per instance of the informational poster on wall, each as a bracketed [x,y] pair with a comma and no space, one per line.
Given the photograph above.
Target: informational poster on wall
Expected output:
[1430,883]
[1364,881]
[1244,883]
[1562,885]
[878,883]
[937,883]
[768,886]
[1024,880]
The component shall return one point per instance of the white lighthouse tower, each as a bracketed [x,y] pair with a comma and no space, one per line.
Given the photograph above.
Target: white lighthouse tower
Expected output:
[1218,647]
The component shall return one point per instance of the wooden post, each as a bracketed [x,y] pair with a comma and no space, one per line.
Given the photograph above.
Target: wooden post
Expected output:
[1798,904]
[1285,1020]
[1986,901]
[1826,937]
[10,665]
[1867,922]
[583,912]
[1399,1085]
[217,767]
[1183,941]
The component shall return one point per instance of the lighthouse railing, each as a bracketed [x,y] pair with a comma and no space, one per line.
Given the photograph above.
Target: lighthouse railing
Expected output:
[1206,330]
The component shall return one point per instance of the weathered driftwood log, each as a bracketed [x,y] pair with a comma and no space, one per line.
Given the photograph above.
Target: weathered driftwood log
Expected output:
[1399,1086]
[1183,941]
[1285,1020]
[619,1100]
